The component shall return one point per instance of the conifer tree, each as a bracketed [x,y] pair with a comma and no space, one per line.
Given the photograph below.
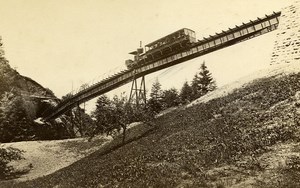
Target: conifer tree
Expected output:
[156,91]
[186,93]
[103,114]
[203,82]
[155,101]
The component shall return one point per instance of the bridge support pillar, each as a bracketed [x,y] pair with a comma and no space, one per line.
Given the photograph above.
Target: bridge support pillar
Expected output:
[138,94]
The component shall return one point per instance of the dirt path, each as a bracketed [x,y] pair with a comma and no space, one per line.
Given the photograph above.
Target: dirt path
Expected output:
[45,157]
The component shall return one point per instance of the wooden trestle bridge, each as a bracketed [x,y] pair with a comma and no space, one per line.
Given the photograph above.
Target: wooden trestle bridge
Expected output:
[232,36]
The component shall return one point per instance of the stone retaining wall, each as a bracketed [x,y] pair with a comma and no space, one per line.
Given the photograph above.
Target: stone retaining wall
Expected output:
[287,44]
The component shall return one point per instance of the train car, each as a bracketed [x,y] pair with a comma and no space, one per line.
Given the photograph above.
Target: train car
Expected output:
[162,47]
[170,43]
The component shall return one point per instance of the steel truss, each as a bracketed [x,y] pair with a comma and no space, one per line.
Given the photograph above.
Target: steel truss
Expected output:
[138,94]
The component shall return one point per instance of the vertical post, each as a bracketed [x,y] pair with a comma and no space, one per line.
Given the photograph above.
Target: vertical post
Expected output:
[72,119]
[138,94]
[142,91]
[131,90]
[80,118]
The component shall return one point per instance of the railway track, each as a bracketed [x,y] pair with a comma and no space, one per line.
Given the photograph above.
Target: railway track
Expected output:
[215,42]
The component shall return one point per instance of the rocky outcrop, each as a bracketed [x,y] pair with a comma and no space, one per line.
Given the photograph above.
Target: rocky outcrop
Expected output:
[13,84]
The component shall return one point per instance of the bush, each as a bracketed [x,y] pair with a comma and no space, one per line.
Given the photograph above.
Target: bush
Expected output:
[7,155]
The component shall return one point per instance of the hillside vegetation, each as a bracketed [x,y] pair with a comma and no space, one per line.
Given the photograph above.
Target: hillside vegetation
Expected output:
[20,105]
[246,138]
[22,101]
[11,80]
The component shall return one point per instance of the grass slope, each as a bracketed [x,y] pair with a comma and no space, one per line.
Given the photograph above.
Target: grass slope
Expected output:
[239,140]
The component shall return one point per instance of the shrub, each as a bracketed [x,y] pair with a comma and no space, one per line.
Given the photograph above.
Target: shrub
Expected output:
[7,155]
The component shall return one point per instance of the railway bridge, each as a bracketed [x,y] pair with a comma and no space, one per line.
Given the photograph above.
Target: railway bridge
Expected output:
[217,41]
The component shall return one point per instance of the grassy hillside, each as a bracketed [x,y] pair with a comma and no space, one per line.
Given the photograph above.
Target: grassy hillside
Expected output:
[247,138]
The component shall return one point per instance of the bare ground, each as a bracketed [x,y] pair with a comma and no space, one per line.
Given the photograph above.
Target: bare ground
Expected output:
[45,157]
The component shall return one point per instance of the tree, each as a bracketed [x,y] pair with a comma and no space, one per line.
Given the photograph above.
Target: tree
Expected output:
[155,101]
[1,49]
[66,97]
[116,114]
[202,82]
[49,92]
[170,98]
[3,84]
[125,113]
[103,115]
[156,91]
[186,93]
[82,123]
[74,120]
[15,124]
[83,87]
[6,156]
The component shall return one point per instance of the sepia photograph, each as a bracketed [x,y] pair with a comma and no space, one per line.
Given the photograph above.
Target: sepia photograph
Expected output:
[158,94]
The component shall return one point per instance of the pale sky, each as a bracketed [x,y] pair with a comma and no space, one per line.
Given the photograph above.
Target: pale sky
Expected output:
[60,42]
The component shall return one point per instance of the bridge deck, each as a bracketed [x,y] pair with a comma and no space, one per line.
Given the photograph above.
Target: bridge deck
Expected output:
[218,41]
